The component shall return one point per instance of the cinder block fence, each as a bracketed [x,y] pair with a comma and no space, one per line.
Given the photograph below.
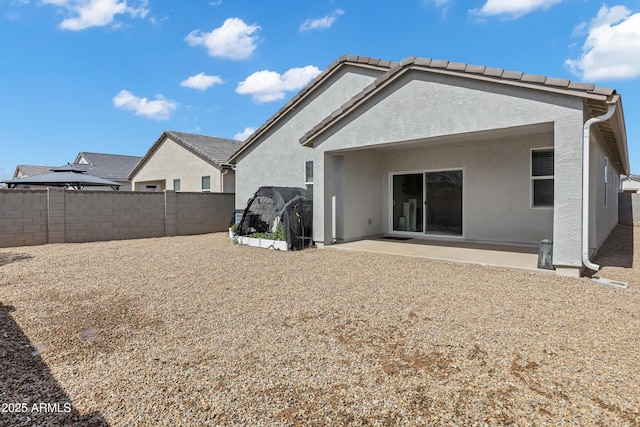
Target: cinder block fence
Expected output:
[629,209]
[36,217]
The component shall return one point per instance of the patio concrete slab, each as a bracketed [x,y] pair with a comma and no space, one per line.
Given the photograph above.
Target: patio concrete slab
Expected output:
[518,257]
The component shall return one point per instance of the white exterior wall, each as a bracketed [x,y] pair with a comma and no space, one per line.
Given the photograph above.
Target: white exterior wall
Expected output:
[172,161]
[631,186]
[278,159]
[421,106]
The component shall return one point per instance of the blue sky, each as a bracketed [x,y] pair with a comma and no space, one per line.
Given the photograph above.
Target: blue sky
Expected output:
[110,75]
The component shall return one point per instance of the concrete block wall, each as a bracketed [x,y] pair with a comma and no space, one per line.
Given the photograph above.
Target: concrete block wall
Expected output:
[23,217]
[629,209]
[35,217]
[101,215]
[199,213]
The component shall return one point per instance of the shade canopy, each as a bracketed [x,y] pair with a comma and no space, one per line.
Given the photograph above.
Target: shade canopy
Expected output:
[67,176]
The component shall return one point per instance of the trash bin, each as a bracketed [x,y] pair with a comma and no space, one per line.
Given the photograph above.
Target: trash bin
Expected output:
[545,255]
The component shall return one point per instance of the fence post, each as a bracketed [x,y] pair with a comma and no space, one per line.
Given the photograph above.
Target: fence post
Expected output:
[170,213]
[55,215]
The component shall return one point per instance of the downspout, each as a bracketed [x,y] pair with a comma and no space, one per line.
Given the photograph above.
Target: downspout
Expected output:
[586,136]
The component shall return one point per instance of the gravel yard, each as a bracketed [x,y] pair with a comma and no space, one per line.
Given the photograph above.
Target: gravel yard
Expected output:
[197,331]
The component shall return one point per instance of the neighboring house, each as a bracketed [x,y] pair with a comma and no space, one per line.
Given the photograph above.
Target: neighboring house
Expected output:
[24,171]
[113,167]
[630,184]
[186,162]
[444,150]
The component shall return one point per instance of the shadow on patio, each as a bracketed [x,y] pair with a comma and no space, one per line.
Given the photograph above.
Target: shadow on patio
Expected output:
[33,395]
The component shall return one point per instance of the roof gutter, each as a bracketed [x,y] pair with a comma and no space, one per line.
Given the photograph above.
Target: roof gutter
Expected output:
[586,137]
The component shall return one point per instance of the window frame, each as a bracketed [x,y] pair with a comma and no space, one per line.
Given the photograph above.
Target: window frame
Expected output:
[202,178]
[306,177]
[606,171]
[533,178]
[176,181]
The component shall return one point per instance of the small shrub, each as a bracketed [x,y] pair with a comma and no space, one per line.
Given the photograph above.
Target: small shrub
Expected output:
[276,235]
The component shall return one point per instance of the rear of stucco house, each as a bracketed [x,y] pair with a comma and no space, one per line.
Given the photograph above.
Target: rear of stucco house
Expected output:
[448,151]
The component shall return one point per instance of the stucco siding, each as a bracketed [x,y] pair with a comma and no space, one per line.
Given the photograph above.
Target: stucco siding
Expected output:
[363,191]
[421,106]
[497,185]
[278,159]
[425,105]
[173,161]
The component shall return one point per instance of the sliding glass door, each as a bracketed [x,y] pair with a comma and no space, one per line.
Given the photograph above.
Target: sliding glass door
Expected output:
[408,202]
[444,202]
[428,202]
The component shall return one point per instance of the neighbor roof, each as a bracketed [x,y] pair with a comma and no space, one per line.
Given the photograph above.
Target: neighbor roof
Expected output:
[216,151]
[108,166]
[64,176]
[31,170]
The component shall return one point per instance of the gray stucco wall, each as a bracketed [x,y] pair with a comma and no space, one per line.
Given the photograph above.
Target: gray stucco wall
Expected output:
[603,202]
[497,184]
[426,106]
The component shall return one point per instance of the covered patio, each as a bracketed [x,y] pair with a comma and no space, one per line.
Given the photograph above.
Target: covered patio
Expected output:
[496,255]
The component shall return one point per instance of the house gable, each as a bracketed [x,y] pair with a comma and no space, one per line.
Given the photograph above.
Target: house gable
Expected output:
[275,145]
[346,64]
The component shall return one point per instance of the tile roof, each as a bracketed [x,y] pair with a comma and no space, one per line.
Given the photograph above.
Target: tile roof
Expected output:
[212,149]
[217,150]
[108,166]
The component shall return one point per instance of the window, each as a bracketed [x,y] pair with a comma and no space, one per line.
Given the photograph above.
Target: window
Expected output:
[308,172]
[542,177]
[206,183]
[176,185]
[606,164]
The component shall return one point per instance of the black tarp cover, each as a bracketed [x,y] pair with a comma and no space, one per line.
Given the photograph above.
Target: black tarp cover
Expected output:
[291,207]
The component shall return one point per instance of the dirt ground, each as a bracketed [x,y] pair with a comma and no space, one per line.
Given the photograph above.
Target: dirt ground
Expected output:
[197,331]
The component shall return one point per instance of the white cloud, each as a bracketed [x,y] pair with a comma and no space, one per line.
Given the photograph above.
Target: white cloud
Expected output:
[84,14]
[611,48]
[158,109]
[321,23]
[233,40]
[513,8]
[267,86]
[246,133]
[438,3]
[201,81]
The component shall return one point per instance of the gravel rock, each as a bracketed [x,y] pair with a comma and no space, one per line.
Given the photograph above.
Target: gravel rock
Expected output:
[196,331]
